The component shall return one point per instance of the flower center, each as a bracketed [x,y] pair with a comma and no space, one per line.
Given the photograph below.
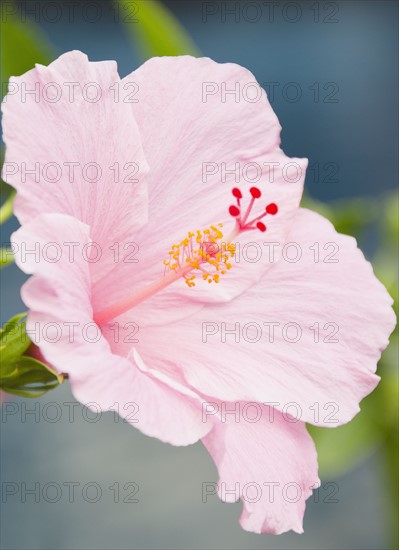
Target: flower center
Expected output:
[204,252]
[201,252]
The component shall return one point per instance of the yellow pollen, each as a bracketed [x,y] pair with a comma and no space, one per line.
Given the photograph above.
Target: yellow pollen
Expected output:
[204,252]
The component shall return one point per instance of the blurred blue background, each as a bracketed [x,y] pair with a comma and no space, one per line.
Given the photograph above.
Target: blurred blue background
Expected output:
[332,68]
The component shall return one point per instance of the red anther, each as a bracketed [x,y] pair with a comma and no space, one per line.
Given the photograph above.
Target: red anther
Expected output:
[272,208]
[237,193]
[234,211]
[255,192]
[261,226]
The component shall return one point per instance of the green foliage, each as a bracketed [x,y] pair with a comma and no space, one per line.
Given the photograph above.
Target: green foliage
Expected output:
[7,194]
[154,29]
[13,338]
[6,207]
[22,45]
[340,448]
[377,425]
[349,216]
[5,191]
[6,257]
[28,377]
[21,374]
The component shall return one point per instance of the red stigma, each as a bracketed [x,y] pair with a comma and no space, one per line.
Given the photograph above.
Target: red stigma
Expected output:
[261,226]
[234,211]
[272,208]
[242,219]
[255,192]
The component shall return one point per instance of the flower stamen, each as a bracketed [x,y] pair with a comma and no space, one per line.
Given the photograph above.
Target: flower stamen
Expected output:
[203,251]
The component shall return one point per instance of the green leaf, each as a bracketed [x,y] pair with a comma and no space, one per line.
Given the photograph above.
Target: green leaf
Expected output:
[22,45]
[6,257]
[386,261]
[5,189]
[390,218]
[339,449]
[154,29]
[13,339]
[7,194]
[28,377]
[6,207]
[20,374]
[349,216]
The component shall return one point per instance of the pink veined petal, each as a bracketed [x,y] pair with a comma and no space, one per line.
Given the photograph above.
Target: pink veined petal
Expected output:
[331,321]
[268,461]
[60,322]
[190,139]
[73,147]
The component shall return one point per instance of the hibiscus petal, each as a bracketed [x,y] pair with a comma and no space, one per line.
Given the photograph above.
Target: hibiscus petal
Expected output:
[71,148]
[269,463]
[191,137]
[332,321]
[60,323]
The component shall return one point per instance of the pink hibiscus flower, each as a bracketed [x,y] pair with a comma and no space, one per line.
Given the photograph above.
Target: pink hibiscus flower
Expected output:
[211,341]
